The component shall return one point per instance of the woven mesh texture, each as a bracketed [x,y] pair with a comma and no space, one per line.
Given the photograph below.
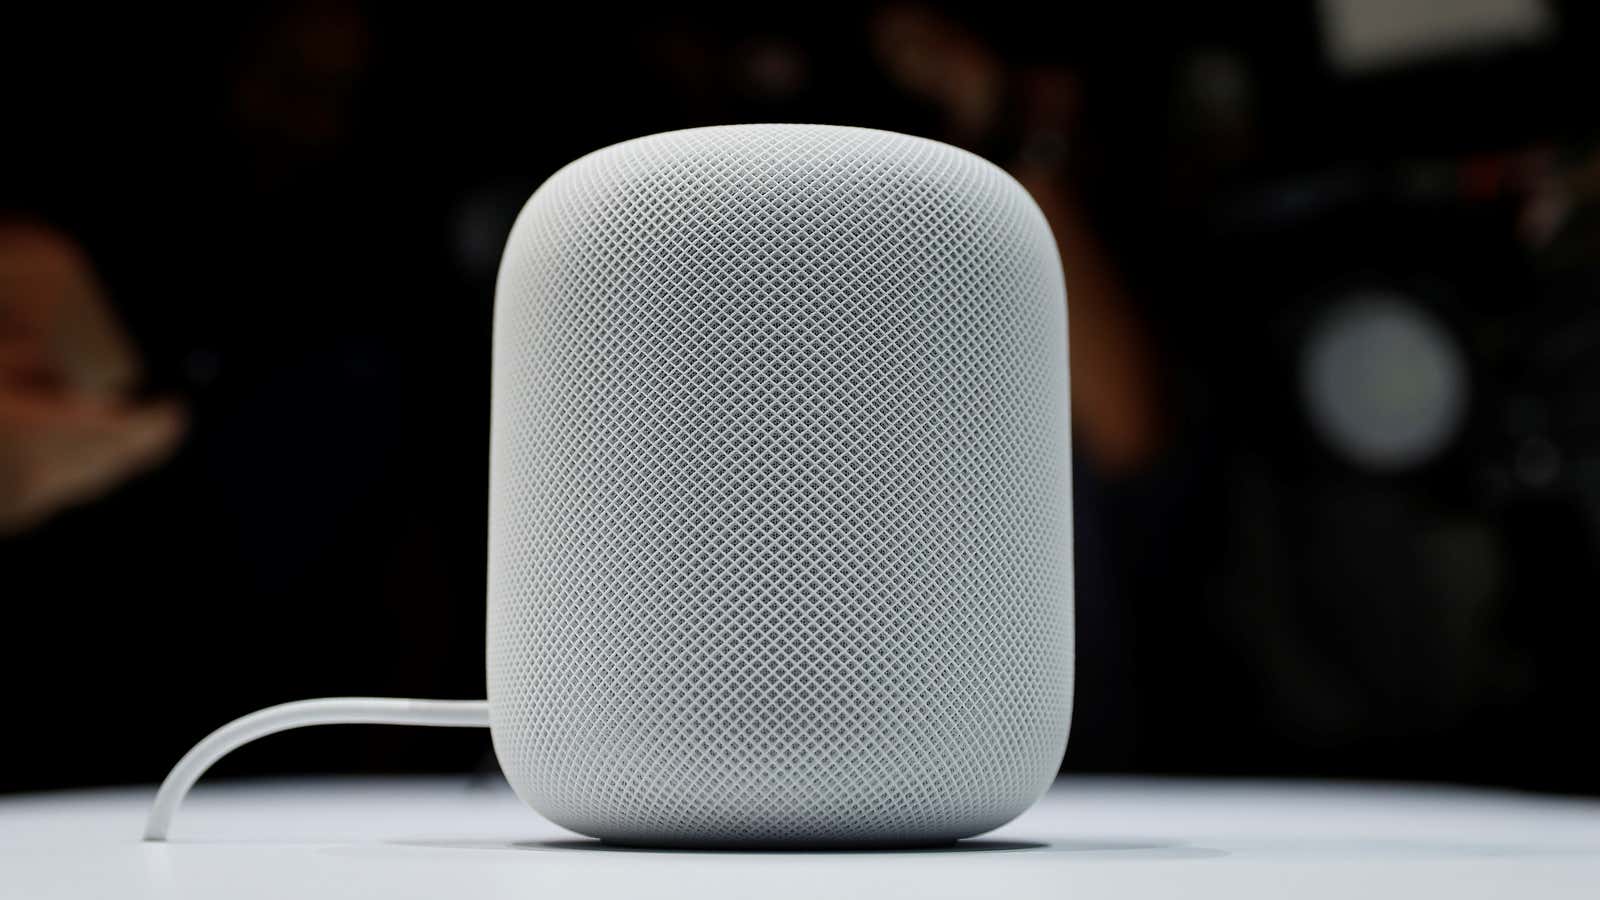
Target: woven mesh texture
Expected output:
[780,540]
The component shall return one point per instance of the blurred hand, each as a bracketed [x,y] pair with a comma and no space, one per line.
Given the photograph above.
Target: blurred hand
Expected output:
[69,429]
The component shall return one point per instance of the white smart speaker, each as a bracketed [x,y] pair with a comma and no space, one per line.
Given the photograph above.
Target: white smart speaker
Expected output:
[780,538]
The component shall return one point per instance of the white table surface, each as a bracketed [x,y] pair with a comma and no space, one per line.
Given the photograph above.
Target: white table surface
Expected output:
[1127,838]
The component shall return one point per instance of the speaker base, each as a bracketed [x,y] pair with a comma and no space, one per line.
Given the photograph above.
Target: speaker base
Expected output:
[783,847]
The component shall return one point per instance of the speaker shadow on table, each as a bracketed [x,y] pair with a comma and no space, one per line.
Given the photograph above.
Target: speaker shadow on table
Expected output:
[1085,849]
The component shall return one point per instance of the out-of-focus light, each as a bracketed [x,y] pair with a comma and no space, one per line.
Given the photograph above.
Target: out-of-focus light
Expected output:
[1360,36]
[1384,382]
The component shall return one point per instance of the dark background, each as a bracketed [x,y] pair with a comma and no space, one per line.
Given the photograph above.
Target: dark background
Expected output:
[296,213]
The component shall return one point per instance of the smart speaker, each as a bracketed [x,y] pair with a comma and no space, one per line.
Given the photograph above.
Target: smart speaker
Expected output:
[780,534]
[780,531]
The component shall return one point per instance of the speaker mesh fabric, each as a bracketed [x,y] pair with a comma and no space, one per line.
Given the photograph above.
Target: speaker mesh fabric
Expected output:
[780,538]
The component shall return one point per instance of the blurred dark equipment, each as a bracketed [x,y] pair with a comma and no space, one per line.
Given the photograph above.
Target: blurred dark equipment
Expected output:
[1410,559]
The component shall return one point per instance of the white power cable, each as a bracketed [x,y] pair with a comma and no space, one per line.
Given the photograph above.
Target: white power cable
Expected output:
[299,714]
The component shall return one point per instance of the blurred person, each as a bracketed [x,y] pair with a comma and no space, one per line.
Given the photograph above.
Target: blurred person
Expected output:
[72,423]
[1116,401]
[239,250]
[1027,116]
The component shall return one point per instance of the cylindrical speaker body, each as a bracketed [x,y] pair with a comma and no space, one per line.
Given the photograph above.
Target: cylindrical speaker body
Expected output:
[780,510]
